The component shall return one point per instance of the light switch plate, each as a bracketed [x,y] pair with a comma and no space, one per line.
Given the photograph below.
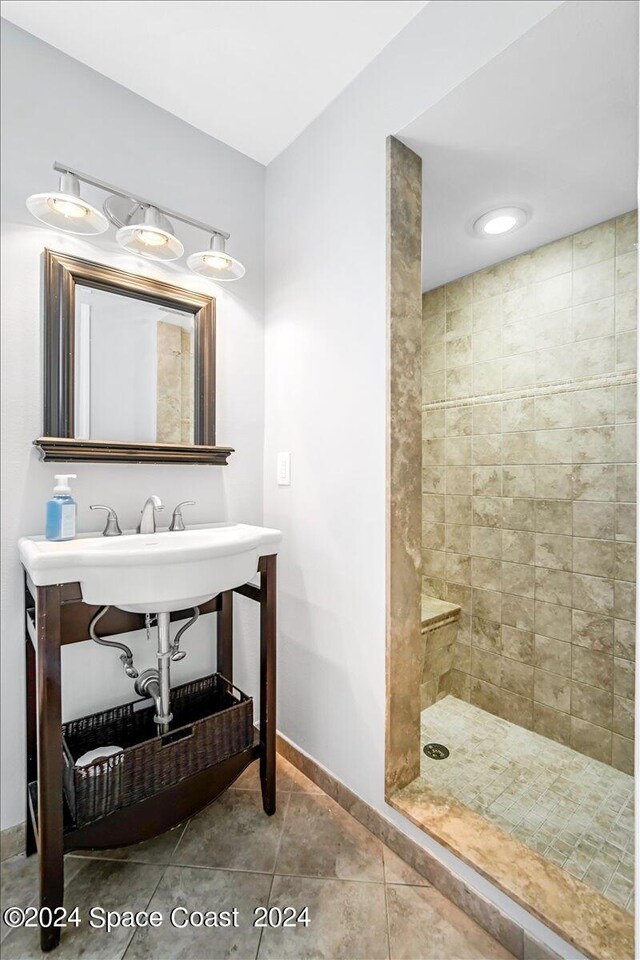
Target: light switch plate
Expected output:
[284,469]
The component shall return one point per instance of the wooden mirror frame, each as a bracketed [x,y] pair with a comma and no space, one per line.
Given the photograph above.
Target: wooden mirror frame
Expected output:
[62,274]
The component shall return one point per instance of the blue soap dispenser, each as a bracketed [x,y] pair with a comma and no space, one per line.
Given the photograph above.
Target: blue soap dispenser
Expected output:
[61,510]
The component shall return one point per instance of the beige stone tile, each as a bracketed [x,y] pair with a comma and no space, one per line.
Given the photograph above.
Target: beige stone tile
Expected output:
[458,352]
[551,723]
[626,312]
[553,551]
[457,538]
[554,516]
[433,452]
[624,678]
[487,283]
[590,739]
[433,424]
[458,322]
[433,535]
[458,293]
[396,870]
[553,259]
[553,446]
[486,634]
[519,304]
[625,639]
[553,586]
[625,600]
[552,655]
[459,383]
[458,421]
[487,449]
[518,272]
[433,329]
[457,451]
[594,358]
[595,407]
[626,351]
[553,410]
[595,244]
[553,329]
[519,448]
[552,620]
[516,709]
[486,666]
[554,294]
[487,377]
[487,314]
[517,612]
[592,667]
[518,338]
[458,568]
[594,445]
[622,754]
[486,542]
[487,418]
[348,919]
[422,923]
[433,508]
[626,482]
[487,481]
[519,371]
[594,282]
[519,481]
[517,644]
[487,511]
[518,513]
[518,579]
[433,358]
[595,557]
[487,344]
[594,520]
[433,480]
[555,482]
[626,232]
[626,402]
[487,605]
[592,703]
[486,574]
[455,509]
[626,273]
[552,690]
[433,302]
[625,441]
[518,415]
[594,594]
[323,840]
[592,631]
[433,563]
[518,546]
[553,364]
[594,481]
[623,717]
[517,677]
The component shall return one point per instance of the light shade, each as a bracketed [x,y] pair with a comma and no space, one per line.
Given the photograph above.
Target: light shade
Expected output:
[149,237]
[215,263]
[66,210]
[500,221]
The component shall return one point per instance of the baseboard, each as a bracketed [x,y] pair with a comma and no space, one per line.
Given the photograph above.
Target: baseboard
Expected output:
[12,841]
[505,930]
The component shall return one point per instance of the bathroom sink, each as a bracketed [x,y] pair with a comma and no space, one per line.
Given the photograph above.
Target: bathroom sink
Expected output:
[154,572]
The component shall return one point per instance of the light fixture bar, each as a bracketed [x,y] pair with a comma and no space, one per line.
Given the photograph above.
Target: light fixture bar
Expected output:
[135,198]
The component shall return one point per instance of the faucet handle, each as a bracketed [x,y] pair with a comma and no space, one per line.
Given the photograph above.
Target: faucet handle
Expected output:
[112,527]
[177,523]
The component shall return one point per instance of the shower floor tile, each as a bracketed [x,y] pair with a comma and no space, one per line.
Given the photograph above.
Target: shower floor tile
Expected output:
[574,811]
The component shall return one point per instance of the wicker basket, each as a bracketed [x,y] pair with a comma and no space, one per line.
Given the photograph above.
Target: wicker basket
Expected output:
[212,720]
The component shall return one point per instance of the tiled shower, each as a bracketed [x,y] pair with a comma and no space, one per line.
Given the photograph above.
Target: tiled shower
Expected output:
[529,464]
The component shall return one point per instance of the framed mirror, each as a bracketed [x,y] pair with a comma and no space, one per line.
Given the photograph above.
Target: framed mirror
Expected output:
[129,367]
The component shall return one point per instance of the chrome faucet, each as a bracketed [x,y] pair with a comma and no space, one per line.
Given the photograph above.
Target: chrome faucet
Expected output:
[177,520]
[148,519]
[112,527]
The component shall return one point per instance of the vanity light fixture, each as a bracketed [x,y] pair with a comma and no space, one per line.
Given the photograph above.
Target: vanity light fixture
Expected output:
[215,263]
[143,227]
[150,234]
[503,220]
[66,210]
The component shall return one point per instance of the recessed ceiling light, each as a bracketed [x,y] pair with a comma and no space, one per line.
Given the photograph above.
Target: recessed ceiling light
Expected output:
[503,220]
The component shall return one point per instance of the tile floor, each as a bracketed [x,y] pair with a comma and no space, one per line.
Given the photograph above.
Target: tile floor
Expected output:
[573,810]
[364,902]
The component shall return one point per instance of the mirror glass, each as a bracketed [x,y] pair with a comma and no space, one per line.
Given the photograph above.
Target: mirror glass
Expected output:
[133,369]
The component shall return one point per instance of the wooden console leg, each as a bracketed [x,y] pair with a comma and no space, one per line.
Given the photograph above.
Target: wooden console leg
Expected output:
[50,797]
[32,742]
[225,636]
[268,682]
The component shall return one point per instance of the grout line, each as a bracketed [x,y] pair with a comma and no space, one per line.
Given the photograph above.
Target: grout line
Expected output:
[273,872]
[135,930]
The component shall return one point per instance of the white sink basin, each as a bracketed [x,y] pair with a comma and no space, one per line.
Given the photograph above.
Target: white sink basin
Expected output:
[153,572]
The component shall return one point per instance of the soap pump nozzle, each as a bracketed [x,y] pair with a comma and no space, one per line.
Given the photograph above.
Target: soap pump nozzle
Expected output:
[62,482]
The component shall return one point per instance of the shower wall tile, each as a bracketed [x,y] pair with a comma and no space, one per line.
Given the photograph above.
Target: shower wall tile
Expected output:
[529,484]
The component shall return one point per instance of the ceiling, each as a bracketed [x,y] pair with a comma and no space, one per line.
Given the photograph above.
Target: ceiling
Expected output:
[550,124]
[252,73]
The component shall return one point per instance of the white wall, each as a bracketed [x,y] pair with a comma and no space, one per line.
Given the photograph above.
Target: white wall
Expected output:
[326,363]
[56,109]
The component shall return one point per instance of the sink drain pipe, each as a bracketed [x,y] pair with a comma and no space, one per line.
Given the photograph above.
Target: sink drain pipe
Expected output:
[126,656]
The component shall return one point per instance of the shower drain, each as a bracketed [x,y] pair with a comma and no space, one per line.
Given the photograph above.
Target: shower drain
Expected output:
[436,751]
